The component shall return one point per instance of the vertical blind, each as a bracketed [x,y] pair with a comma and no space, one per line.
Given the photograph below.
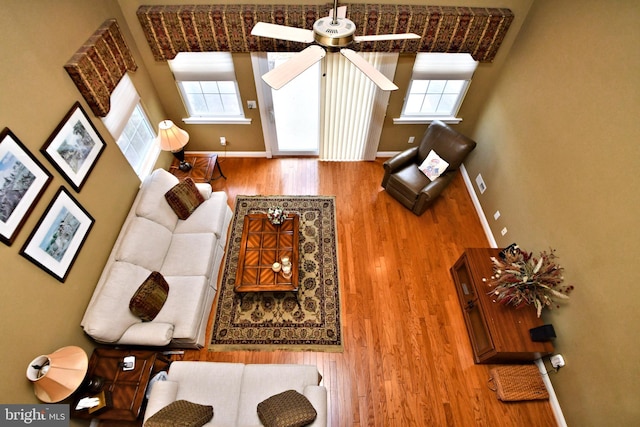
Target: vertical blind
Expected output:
[353,108]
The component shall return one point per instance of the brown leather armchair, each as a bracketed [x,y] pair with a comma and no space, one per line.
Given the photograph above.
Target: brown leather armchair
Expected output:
[406,183]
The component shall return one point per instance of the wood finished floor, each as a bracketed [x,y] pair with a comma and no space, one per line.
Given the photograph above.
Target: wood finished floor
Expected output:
[407,358]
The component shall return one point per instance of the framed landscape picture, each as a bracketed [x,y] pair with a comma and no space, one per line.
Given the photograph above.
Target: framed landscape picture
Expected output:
[74,147]
[22,182]
[56,241]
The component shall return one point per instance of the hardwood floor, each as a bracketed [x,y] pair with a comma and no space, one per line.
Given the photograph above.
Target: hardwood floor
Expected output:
[407,359]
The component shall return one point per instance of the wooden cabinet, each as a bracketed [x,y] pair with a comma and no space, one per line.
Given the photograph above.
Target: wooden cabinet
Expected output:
[498,333]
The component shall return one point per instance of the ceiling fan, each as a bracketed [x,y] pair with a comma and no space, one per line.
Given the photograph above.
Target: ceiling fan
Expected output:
[333,32]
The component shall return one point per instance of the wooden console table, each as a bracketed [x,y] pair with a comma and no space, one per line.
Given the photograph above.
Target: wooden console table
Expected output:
[126,388]
[498,333]
[204,165]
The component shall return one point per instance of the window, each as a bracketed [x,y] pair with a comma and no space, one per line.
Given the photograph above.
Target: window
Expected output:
[208,86]
[130,127]
[438,86]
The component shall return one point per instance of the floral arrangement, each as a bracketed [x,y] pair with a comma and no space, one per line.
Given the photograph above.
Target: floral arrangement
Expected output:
[520,279]
[276,215]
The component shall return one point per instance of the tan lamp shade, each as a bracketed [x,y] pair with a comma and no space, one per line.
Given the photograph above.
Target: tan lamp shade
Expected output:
[57,375]
[171,137]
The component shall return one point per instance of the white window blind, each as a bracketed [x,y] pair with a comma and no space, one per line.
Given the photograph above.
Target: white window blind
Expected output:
[203,66]
[444,66]
[353,109]
[124,99]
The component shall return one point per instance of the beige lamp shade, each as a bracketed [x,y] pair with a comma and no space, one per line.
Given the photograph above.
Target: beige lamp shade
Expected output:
[57,375]
[171,137]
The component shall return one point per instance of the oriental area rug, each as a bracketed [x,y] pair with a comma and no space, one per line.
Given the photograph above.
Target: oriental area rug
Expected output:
[276,320]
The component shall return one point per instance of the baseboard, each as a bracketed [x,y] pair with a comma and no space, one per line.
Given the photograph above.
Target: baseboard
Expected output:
[478,206]
[553,399]
[223,154]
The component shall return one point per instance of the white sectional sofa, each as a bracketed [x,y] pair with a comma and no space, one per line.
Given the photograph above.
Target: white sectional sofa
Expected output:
[235,389]
[188,253]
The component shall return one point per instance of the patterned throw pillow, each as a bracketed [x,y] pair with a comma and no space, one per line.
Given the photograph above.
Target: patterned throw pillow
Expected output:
[184,198]
[181,413]
[287,409]
[147,301]
[433,165]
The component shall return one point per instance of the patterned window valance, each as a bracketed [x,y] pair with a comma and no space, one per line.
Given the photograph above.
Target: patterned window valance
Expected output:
[97,67]
[227,27]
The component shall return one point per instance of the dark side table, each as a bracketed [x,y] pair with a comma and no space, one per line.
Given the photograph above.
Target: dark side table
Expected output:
[125,388]
[204,165]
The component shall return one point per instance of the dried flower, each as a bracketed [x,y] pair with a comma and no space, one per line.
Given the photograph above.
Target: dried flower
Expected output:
[520,279]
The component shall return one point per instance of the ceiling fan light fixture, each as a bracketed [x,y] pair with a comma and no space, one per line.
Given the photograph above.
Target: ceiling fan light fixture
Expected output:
[330,33]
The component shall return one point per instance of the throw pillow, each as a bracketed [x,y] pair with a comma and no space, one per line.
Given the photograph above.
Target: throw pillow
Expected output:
[287,409]
[181,413]
[433,166]
[147,301]
[184,198]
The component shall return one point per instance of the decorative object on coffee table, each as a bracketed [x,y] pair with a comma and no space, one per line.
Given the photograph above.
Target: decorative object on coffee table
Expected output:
[276,215]
[275,320]
[172,138]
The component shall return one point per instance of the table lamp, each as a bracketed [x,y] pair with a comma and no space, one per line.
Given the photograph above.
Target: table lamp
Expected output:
[57,375]
[172,138]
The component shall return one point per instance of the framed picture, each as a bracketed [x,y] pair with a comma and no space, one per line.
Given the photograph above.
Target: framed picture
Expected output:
[74,147]
[56,241]
[23,180]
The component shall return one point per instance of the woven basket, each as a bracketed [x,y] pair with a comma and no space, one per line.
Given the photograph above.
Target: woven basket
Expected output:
[517,382]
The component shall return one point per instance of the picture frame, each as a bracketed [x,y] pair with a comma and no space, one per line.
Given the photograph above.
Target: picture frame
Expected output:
[55,242]
[74,147]
[23,180]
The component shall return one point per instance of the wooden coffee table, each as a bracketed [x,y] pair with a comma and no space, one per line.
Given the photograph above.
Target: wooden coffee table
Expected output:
[261,245]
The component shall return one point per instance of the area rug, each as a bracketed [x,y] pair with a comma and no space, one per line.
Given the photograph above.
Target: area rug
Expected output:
[275,320]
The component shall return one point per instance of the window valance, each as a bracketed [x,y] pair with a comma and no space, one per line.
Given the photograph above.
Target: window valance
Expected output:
[171,29]
[97,67]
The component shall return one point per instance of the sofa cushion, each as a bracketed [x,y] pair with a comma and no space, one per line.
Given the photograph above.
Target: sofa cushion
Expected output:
[189,255]
[108,317]
[433,165]
[145,243]
[211,383]
[184,307]
[208,218]
[149,298]
[261,381]
[286,409]
[152,204]
[181,413]
[184,198]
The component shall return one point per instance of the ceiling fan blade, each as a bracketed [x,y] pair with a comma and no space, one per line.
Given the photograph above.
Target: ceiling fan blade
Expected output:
[384,37]
[342,12]
[369,70]
[282,32]
[284,73]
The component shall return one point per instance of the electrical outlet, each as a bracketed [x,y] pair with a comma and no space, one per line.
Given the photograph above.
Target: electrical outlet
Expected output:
[503,231]
[223,141]
[412,139]
[496,215]
[557,361]
[252,105]
[481,185]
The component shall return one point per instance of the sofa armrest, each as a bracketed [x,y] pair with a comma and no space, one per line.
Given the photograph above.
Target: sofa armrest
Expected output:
[148,333]
[317,395]
[204,189]
[162,394]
